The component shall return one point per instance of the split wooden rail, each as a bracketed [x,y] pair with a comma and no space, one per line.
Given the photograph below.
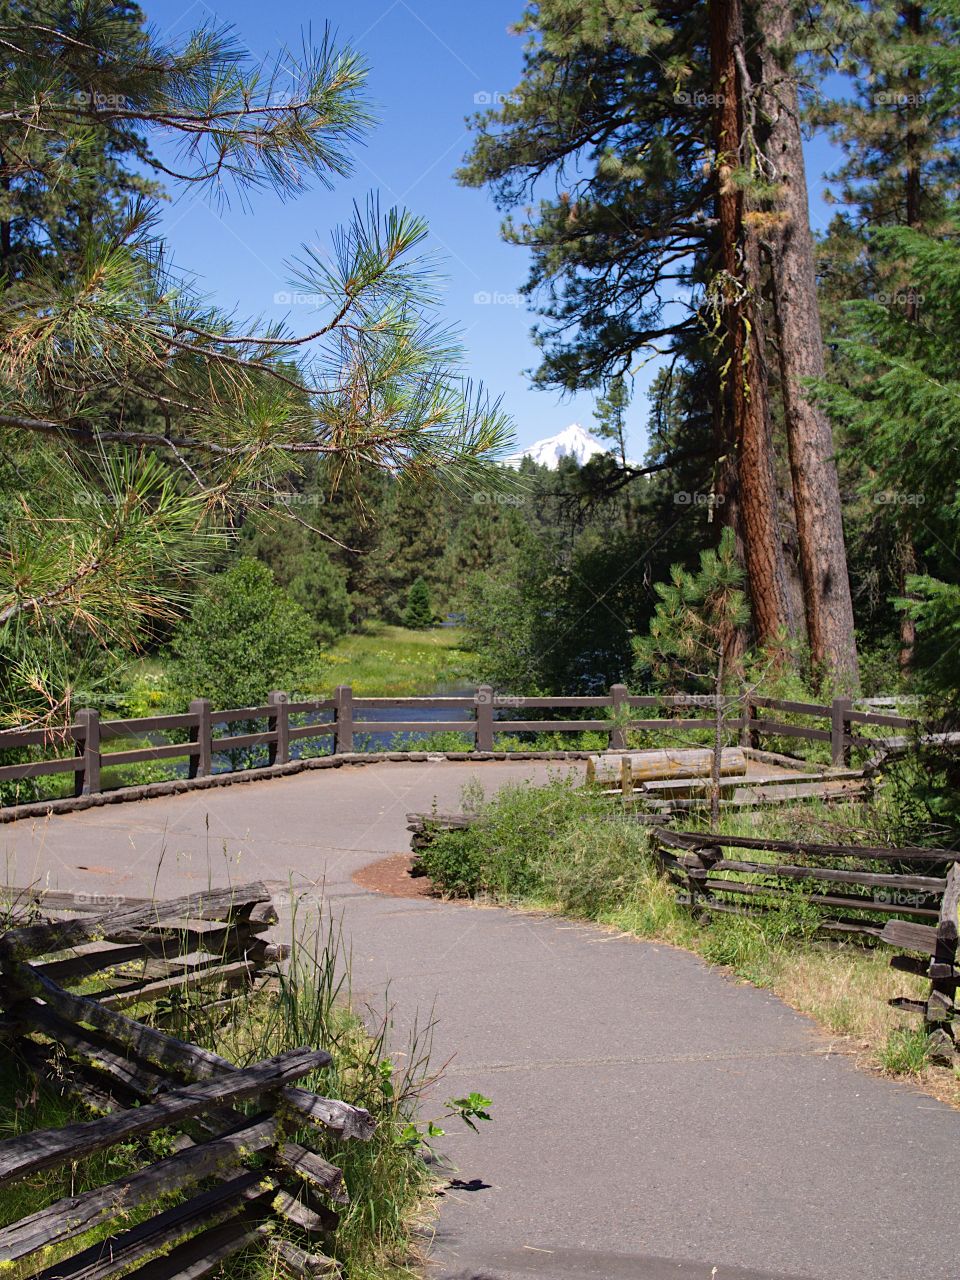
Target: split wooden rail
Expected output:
[937,960]
[162,955]
[913,910]
[238,1178]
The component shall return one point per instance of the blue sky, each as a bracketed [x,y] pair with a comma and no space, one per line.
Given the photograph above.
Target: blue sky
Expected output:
[428,61]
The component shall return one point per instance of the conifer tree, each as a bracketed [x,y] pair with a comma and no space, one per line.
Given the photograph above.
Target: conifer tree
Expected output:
[789,247]
[688,642]
[610,414]
[630,162]
[419,611]
[898,132]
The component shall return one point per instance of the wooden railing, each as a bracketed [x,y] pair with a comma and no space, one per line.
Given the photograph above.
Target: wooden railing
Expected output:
[199,733]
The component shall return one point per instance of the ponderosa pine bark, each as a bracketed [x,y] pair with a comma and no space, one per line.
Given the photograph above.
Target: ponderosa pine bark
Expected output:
[816,486]
[913,19]
[746,423]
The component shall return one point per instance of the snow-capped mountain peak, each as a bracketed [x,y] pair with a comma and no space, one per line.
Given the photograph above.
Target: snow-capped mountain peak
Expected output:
[572,442]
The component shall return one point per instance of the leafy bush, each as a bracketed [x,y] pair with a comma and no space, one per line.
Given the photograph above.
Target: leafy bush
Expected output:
[245,636]
[556,844]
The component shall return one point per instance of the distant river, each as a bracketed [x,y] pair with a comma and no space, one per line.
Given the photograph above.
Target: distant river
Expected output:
[385,740]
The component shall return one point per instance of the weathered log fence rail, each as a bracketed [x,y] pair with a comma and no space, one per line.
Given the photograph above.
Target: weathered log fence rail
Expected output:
[914,911]
[239,1179]
[84,748]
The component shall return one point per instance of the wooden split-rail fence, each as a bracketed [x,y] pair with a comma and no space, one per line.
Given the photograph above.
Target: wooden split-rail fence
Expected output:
[237,1177]
[201,739]
[672,780]
[913,910]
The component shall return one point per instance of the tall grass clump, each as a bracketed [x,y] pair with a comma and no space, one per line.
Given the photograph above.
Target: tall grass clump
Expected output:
[556,845]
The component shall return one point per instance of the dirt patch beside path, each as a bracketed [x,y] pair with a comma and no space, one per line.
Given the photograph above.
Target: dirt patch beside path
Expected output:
[391,875]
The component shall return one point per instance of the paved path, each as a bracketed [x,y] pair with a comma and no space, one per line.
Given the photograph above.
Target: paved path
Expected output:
[653,1118]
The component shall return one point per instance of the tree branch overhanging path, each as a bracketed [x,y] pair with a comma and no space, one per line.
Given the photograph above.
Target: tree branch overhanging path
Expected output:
[155,418]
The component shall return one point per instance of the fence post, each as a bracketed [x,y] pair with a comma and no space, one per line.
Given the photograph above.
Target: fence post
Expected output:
[941,1006]
[201,764]
[87,782]
[343,709]
[279,751]
[749,734]
[618,703]
[839,730]
[484,703]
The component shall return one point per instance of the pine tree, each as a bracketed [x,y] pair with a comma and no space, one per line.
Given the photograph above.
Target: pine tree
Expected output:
[419,611]
[610,414]
[51,197]
[689,636]
[413,537]
[734,299]
[899,393]
[158,415]
[789,246]
[647,120]
[898,132]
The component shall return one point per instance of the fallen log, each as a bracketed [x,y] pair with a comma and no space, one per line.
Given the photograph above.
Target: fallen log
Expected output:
[689,762]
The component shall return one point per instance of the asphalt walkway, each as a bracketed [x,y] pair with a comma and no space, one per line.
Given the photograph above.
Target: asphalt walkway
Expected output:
[653,1118]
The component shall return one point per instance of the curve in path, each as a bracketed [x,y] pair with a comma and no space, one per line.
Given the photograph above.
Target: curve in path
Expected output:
[653,1119]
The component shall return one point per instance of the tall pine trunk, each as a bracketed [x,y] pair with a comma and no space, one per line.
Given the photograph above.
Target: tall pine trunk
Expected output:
[816,486]
[913,18]
[746,433]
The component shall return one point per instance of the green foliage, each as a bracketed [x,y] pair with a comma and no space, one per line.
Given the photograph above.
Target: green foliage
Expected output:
[695,619]
[107,351]
[614,105]
[898,399]
[301,563]
[548,844]
[95,553]
[899,396]
[556,610]
[244,637]
[610,414]
[754,944]
[906,1052]
[419,611]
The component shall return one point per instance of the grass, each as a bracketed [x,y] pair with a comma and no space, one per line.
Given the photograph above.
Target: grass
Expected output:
[562,849]
[388,1178]
[394,662]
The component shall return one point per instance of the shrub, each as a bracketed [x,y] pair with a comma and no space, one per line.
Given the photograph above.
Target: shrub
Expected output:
[244,636]
[555,843]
